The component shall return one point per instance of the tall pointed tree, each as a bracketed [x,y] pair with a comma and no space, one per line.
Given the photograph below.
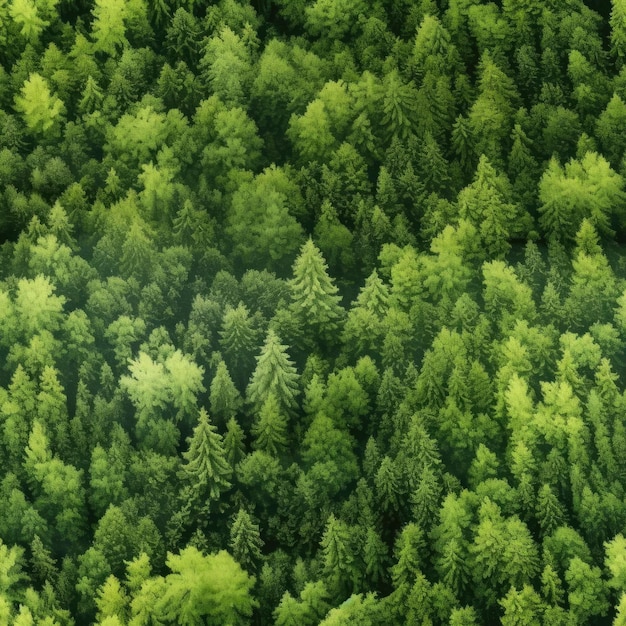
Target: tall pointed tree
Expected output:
[224,398]
[314,295]
[274,373]
[245,540]
[270,427]
[206,460]
[238,338]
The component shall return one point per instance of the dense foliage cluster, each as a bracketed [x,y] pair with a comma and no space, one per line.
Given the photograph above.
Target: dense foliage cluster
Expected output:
[312,312]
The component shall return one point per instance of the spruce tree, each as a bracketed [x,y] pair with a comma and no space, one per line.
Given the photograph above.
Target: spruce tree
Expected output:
[238,338]
[206,459]
[224,398]
[274,373]
[245,540]
[314,295]
[270,427]
[233,442]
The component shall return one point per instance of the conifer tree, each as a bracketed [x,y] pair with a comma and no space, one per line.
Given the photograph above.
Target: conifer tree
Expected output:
[274,373]
[618,30]
[206,460]
[408,553]
[238,338]
[314,296]
[270,427]
[224,398]
[337,553]
[245,540]
[234,447]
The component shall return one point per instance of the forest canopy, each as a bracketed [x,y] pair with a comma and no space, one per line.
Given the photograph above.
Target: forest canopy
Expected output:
[312,312]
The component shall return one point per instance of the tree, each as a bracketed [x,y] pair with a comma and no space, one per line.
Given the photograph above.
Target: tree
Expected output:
[615,561]
[586,590]
[618,29]
[270,427]
[37,307]
[238,338]
[549,510]
[108,30]
[274,373]
[521,607]
[147,386]
[337,554]
[486,203]
[205,459]
[227,67]
[398,106]
[261,226]
[607,129]
[408,552]
[245,540]
[52,411]
[42,111]
[112,600]
[185,383]
[212,590]
[234,447]
[25,13]
[224,399]
[565,196]
[314,296]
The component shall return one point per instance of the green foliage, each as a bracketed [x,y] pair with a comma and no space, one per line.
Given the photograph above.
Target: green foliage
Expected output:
[565,196]
[411,213]
[274,374]
[314,296]
[201,589]
[205,459]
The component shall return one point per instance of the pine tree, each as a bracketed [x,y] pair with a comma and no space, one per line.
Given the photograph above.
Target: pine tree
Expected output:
[425,499]
[245,540]
[408,553]
[375,556]
[234,442]
[618,30]
[270,428]
[52,410]
[387,486]
[43,565]
[453,567]
[238,338]
[274,373]
[549,511]
[206,460]
[224,398]
[337,552]
[314,296]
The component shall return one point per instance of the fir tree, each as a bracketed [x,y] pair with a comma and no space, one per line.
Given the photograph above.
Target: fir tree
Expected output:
[245,540]
[314,296]
[206,462]
[270,427]
[274,373]
[224,398]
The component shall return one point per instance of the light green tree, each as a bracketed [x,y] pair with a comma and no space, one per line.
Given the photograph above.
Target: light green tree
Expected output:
[108,30]
[314,296]
[42,111]
[566,196]
[25,14]
[201,590]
